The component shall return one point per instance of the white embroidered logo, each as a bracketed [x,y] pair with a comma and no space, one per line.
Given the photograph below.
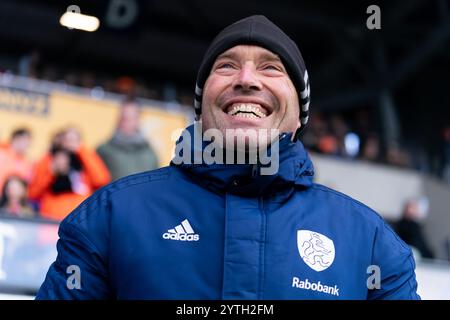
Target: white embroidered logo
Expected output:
[182,232]
[316,250]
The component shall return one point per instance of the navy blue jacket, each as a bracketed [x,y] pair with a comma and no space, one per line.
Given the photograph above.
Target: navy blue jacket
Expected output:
[220,232]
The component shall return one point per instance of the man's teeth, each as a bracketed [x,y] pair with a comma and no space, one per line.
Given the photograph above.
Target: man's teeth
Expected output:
[247,111]
[246,115]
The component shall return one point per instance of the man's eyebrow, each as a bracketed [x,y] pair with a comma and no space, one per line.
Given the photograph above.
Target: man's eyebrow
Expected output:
[227,55]
[264,56]
[270,57]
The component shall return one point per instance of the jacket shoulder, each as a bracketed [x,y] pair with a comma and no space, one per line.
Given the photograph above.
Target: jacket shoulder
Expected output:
[365,213]
[342,198]
[99,201]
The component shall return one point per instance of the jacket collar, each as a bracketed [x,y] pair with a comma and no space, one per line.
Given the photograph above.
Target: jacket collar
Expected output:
[295,169]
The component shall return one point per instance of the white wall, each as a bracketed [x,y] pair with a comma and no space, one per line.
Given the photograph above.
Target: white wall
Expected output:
[433,281]
[382,188]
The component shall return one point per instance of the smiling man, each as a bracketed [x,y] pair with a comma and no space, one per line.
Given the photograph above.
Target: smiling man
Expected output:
[210,230]
[249,88]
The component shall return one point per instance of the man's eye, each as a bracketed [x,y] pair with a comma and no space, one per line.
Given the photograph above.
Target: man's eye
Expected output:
[271,67]
[225,66]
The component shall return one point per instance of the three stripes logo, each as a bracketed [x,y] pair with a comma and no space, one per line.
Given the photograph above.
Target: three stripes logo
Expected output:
[182,232]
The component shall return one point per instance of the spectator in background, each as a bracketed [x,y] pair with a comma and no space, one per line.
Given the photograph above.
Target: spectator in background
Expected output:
[29,64]
[315,131]
[125,85]
[371,148]
[328,144]
[127,151]
[397,156]
[409,227]
[339,130]
[87,80]
[50,73]
[66,176]
[13,156]
[319,137]
[13,200]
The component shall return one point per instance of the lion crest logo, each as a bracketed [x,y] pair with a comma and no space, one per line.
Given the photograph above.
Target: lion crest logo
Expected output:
[316,250]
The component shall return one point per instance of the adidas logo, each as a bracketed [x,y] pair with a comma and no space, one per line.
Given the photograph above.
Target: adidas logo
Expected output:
[182,232]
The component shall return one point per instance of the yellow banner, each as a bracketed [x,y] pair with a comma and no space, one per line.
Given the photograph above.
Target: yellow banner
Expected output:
[45,114]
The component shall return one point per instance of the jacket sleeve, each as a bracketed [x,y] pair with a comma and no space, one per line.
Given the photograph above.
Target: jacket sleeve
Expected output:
[80,271]
[41,179]
[396,267]
[96,170]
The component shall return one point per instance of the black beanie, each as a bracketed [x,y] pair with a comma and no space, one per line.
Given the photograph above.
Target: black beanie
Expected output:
[260,31]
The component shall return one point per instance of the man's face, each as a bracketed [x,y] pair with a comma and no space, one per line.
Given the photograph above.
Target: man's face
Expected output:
[249,88]
[129,119]
[21,143]
[15,190]
[71,140]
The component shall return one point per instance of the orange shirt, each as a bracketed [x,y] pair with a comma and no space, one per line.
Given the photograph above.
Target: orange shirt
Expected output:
[58,206]
[12,163]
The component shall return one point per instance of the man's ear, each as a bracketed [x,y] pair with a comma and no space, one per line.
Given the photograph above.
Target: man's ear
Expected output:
[295,135]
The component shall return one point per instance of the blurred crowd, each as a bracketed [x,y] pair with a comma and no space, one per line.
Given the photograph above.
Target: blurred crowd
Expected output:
[69,172]
[35,65]
[334,135]
[353,136]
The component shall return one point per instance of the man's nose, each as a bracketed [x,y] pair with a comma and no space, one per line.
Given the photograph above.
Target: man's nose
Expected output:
[247,79]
